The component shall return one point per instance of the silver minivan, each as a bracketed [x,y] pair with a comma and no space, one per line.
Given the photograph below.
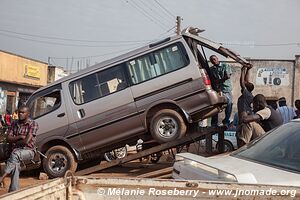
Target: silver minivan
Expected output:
[154,92]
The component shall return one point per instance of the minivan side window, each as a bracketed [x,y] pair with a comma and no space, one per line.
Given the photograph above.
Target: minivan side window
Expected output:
[157,63]
[44,104]
[112,80]
[97,85]
[85,89]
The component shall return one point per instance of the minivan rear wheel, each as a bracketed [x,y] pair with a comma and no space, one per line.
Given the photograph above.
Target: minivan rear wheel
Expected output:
[167,125]
[59,160]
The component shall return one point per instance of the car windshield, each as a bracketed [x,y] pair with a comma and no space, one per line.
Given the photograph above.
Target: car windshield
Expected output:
[279,148]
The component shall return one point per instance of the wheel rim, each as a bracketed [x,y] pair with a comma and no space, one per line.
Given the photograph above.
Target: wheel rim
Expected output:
[121,152]
[227,147]
[58,163]
[167,127]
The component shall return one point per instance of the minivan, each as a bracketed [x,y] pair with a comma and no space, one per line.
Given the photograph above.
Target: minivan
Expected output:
[154,92]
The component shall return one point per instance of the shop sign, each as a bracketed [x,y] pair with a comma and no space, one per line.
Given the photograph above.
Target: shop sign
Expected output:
[32,71]
[275,76]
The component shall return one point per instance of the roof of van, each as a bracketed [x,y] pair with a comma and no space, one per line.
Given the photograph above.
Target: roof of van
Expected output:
[118,59]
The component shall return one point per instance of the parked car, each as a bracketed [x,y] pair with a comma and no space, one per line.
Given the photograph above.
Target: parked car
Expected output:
[156,91]
[230,142]
[271,159]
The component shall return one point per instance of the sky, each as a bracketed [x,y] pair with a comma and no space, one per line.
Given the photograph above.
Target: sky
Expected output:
[76,33]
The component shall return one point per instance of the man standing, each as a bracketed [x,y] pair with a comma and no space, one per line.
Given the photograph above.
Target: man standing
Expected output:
[245,100]
[264,119]
[220,76]
[287,113]
[22,136]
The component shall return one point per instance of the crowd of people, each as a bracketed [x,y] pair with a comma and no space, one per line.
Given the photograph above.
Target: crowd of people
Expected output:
[7,118]
[254,116]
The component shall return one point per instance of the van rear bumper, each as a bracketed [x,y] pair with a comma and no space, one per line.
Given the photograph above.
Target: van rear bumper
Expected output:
[216,104]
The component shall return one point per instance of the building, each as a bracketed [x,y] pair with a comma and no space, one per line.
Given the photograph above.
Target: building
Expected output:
[273,78]
[19,78]
[55,73]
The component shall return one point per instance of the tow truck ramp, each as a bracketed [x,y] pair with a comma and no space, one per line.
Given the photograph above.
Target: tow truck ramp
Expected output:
[191,137]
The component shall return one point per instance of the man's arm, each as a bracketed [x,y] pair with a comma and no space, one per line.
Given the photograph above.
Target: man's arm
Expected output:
[10,135]
[251,118]
[16,139]
[242,78]
[247,76]
[22,139]
[32,132]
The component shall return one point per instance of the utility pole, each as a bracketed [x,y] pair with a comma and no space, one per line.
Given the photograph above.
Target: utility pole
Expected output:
[178,24]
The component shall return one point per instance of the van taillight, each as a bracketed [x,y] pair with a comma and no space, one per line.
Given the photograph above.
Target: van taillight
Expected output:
[206,79]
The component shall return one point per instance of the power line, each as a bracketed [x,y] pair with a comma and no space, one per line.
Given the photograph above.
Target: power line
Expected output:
[64,44]
[165,9]
[263,45]
[99,55]
[157,12]
[144,10]
[74,40]
[143,13]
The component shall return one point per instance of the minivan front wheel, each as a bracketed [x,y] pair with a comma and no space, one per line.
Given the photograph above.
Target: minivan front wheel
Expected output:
[59,160]
[167,125]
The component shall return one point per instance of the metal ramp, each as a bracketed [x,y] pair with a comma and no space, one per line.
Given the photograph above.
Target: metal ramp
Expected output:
[192,136]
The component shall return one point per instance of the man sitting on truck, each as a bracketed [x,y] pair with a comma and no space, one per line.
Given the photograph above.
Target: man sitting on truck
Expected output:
[22,136]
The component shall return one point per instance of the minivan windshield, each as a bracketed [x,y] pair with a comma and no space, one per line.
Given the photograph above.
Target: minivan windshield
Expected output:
[279,148]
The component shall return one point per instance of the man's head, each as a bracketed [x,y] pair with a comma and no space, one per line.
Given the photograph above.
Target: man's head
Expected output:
[282,101]
[214,60]
[249,86]
[297,104]
[23,113]
[259,102]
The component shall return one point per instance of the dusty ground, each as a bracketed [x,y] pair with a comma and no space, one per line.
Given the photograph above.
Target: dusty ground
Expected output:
[132,169]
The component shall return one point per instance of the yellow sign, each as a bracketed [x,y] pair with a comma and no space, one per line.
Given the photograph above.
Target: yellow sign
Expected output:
[32,71]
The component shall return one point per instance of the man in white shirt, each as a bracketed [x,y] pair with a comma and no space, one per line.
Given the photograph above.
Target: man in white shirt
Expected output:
[287,113]
[254,125]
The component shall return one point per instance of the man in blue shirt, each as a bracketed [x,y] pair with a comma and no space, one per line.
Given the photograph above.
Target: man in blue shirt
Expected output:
[220,76]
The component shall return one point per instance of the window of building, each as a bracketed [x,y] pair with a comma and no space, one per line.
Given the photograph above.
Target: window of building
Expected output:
[157,63]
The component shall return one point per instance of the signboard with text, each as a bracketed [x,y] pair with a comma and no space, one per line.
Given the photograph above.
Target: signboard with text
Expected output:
[277,76]
[32,71]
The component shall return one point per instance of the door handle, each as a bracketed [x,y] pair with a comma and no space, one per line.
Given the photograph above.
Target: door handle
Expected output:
[81,113]
[61,114]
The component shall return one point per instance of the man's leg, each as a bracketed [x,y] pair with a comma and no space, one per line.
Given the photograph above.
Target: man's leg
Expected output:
[228,109]
[13,166]
[15,174]
[214,120]
[244,134]
[257,130]
[10,164]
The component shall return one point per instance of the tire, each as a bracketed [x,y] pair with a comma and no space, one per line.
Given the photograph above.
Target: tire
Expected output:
[59,160]
[155,157]
[109,156]
[167,125]
[227,146]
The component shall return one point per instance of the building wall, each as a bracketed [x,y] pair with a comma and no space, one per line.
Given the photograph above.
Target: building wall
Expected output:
[19,77]
[55,73]
[297,78]
[285,72]
[20,70]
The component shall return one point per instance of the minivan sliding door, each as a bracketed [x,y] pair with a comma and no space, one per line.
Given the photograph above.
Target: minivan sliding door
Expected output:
[104,108]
